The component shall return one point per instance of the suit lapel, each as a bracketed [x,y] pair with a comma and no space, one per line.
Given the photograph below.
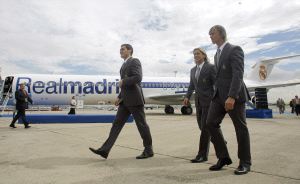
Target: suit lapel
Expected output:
[124,67]
[193,75]
[215,59]
[203,69]
[127,63]
[224,53]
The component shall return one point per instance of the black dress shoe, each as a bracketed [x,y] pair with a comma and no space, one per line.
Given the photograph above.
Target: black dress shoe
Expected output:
[99,152]
[242,169]
[220,164]
[12,126]
[27,126]
[145,154]
[199,159]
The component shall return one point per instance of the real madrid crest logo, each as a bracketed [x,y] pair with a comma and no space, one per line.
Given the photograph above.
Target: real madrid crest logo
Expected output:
[262,72]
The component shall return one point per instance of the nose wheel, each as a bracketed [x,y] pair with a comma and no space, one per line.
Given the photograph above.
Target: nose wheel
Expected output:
[186,110]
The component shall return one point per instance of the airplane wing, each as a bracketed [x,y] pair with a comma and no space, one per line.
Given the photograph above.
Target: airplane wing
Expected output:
[175,98]
[276,59]
[274,85]
[170,98]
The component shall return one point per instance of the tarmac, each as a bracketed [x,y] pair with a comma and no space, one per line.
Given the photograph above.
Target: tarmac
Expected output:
[59,154]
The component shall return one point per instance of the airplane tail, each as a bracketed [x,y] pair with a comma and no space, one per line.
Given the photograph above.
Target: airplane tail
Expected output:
[263,68]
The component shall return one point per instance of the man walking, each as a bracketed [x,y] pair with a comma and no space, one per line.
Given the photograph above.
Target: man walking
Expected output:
[229,97]
[297,105]
[72,105]
[201,81]
[130,101]
[22,99]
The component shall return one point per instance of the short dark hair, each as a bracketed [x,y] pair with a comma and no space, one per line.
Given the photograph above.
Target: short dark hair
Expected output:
[220,29]
[128,47]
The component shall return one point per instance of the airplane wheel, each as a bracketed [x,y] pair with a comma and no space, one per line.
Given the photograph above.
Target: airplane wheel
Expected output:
[186,110]
[169,109]
[183,109]
[189,110]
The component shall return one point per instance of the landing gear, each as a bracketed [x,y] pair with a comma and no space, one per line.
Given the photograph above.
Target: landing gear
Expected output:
[169,109]
[186,110]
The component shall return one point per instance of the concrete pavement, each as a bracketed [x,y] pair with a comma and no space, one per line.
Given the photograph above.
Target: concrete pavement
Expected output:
[58,153]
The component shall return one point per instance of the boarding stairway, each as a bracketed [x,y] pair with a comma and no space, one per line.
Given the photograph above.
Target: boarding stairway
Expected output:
[4,97]
[260,107]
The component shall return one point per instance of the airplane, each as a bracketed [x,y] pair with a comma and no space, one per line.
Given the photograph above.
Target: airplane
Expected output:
[96,89]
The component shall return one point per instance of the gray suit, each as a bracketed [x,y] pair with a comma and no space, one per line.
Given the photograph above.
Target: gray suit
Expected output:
[204,90]
[229,83]
[132,102]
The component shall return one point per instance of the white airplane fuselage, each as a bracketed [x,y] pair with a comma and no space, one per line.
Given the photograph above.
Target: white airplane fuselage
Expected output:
[46,89]
[92,89]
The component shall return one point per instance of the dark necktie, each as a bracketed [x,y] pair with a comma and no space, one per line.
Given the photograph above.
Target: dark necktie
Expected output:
[218,56]
[197,72]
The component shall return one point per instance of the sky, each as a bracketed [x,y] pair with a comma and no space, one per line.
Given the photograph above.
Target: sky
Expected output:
[84,37]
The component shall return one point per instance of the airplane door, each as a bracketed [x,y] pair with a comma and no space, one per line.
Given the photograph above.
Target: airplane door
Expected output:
[8,85]
[6,91]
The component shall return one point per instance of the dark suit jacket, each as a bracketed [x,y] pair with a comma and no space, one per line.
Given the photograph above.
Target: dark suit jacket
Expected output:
[131,92]
[21,103]
[230,72]
[204,89]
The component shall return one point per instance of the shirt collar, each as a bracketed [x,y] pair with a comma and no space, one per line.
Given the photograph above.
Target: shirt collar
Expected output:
[200,65]
[223,45]
[127,59]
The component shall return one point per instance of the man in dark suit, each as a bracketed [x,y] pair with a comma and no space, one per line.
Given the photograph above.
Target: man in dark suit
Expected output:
[22,99]
[130,101]
[201,81]
[229,97]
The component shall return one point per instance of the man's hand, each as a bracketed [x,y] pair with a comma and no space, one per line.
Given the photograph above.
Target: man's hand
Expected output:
[186,102]
[117,102]
[120,83]
[229,104]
